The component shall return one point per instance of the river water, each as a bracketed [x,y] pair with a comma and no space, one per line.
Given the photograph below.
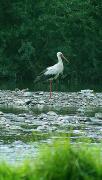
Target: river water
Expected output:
[29,119]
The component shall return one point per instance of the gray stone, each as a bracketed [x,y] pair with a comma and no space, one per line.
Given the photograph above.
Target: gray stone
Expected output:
[51,113]
[1,113]
[27,94]
[86,91]
[7,125]
[41,93]
[98,115]
[41,102]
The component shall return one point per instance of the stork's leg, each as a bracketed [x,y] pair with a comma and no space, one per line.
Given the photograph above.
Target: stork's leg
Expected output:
[50,88]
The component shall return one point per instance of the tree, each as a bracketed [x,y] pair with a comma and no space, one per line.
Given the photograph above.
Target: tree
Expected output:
[32,32]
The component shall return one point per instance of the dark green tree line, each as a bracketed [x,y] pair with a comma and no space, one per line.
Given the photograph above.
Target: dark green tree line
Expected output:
[32,32]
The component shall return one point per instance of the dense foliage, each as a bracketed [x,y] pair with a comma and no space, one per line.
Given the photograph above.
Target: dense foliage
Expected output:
[32,31]
[60,161]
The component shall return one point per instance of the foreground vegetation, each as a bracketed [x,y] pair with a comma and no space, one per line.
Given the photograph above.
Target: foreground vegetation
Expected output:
[62,161]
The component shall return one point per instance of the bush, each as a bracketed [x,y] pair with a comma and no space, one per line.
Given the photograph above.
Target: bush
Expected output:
[60,160]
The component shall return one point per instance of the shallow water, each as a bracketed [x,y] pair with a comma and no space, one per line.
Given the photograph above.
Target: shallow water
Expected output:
[21,133]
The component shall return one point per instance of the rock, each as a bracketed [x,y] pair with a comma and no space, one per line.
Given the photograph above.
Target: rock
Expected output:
[15,143]
[86,91]
[43,127]
[26,94]
[40,107]
[27,121]
[41,93]
[54,128]
[41,102]
[96,121]
[81,110]
[27,101]
[7,125]
[76,131]
[22,115]
[16,89]
[20,119]
[43,116]
[60,119]
[25,90]
[15,127]
[1,113]
[2,102]
[98,115]
[34,102]
[19,102]
[2,119]
[51,113]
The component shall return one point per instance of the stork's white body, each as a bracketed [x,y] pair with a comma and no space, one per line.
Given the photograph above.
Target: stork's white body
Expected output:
[55,69]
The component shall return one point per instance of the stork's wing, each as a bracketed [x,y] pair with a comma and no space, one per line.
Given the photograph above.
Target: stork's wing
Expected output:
[47,74]
[40,76]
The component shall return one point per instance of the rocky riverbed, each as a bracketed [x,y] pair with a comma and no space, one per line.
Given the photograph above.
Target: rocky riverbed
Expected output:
[27,117]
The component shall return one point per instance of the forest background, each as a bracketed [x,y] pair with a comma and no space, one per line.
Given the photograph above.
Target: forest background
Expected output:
[32,32]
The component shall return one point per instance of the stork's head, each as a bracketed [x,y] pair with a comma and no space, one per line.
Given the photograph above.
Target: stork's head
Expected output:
[60,55]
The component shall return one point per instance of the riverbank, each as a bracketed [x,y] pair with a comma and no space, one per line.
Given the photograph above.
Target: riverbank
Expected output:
[26,99]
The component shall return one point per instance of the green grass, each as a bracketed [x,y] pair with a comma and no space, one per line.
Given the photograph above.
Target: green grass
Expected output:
[12,109]
[59,161]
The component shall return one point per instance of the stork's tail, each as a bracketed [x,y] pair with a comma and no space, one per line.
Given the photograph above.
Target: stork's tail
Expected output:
[40,77]
[37,79]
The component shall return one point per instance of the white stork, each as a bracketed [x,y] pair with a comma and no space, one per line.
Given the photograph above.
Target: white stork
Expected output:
[52,72]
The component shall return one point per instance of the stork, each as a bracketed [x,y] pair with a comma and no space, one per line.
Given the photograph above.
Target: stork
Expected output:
[52,72]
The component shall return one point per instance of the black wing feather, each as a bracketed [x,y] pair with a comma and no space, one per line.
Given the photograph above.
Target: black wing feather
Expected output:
[43,77]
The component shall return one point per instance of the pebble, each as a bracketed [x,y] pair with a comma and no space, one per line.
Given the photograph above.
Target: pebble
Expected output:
[26,94]
[27,121]
[28,101]
[51,113]
[22,115]
[41,102]
[3,119]
[41,93]
[1,113]
[14,123]
[98,115]
[7,125]
[86,91]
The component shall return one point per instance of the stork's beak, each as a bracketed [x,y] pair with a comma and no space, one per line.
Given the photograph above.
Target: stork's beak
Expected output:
[65,58]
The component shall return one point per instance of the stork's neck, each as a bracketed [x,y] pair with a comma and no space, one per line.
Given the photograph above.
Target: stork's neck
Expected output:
[59,59]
